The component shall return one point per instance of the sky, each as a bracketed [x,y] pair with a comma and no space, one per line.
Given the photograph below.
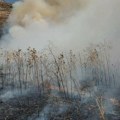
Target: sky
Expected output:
[11,1]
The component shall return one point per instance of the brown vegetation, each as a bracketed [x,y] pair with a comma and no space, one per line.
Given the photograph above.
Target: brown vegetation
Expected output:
[65,79]
[5,9]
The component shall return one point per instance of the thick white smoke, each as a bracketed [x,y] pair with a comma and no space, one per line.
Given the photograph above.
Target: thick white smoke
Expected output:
[68,24]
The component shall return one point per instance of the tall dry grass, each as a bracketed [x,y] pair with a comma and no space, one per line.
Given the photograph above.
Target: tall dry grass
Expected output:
[70,73]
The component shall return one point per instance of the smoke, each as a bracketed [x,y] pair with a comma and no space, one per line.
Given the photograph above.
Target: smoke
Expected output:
[40,21]
[29,11]
[68,24]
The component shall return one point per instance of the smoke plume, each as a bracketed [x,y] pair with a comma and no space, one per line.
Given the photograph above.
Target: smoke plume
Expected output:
[68,24]
[29,11]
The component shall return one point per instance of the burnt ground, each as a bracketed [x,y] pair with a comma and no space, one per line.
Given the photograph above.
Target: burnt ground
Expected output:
[30,107]
[52,105]
[85,111]
[20,108]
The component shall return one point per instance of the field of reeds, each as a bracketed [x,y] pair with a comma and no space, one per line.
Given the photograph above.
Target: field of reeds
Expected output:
[50,85]
[54,85]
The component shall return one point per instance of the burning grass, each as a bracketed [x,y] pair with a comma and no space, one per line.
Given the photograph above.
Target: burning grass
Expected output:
[52,86]
[84,82]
